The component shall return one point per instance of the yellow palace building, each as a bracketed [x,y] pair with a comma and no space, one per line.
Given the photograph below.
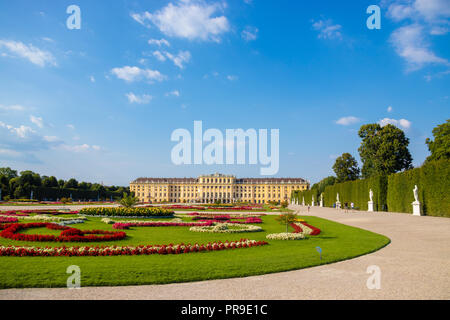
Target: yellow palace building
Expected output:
[216,187]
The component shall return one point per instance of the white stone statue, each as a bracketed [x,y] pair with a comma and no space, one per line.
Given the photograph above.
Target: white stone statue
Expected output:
[337,198]
[371,195]
[321,197]
[416,193]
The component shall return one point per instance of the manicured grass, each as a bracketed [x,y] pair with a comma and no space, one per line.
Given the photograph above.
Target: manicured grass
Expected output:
[338,242]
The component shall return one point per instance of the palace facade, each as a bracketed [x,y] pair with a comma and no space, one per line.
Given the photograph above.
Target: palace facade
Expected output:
[216,187]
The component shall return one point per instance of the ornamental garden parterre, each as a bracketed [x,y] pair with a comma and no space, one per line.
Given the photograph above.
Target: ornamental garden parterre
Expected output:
[152,235]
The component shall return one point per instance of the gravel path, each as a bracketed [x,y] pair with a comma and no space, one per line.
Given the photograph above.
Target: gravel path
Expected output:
[416,265]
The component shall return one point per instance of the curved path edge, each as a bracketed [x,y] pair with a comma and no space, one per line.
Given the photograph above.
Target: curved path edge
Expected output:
[415,265]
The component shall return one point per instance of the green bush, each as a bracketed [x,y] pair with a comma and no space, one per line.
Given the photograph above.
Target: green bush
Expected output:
[127,212]
[307,194]
[358,192]
[433,181]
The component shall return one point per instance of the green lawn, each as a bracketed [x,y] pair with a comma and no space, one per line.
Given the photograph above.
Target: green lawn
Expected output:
[338,242]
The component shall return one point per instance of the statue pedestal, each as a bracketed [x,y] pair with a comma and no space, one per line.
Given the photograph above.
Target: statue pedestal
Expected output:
[321,203]
[313,204]
[370,203]
[338,205]
[416,208]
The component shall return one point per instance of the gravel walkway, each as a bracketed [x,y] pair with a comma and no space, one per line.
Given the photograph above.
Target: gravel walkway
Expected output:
[416,265]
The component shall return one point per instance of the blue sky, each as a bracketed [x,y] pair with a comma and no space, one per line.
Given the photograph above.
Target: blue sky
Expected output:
[100,103]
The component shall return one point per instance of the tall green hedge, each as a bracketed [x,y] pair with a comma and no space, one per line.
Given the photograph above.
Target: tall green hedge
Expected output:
[358,192]
[433,181]
[308,194]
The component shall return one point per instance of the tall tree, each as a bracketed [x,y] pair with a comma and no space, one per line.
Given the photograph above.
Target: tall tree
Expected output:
[50,182]
[383,150]
[346,168]
[8,173]
[321,185]
[71,184]
[440,147]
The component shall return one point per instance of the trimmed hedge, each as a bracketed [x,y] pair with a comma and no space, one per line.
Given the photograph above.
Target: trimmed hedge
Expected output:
[433,181]
[308,194]
[395,192]
[358,192]
[127,212]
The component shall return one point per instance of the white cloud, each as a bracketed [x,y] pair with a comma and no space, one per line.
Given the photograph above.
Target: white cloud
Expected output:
[80,148]
[409,43]
[174,93]
[131,74]
[402,123]
[29,52]
[250,33]
[180,59]
[71,126]
[143,99]
[232,78]
[345,121]
[92,79]
[159,43]
[13,108]
[141,18]
[22,132]
[159,55]
[390,109]
[327,30]
[189,19]
[37,121]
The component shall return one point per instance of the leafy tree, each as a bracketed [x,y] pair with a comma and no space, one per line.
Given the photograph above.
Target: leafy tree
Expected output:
[383,150]
[8,173]
[50,182]
[440,147]
[321,185]
[346,168]
[128,200]
[61,183]
[286,219]
[71,184]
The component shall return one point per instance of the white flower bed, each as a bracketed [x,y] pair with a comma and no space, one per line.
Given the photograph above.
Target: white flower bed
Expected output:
[69,222]
[306,230]
[225,228]
[46,218]
[285,236]
[111,221]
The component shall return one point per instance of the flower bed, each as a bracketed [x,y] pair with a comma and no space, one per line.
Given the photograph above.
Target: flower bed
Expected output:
[8,220]
[128,251]
[13,214]
[313,230]
[233,216]
[67,234]
[48,218]
[50,212]
[127,212]
[285,236]
[225,228]
[123,226]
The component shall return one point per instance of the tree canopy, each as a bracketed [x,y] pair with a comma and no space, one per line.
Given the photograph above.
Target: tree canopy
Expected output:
[440,147]
[346,168]
[383,150]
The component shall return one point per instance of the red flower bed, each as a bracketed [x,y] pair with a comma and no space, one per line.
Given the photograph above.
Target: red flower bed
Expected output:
[315,232]
[50,212]
[8,220]
[67,235]
[297,228]
[13,214]
[123,226]
[129,251]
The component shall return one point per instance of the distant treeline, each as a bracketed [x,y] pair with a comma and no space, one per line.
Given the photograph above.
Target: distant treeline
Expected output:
[31,185]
